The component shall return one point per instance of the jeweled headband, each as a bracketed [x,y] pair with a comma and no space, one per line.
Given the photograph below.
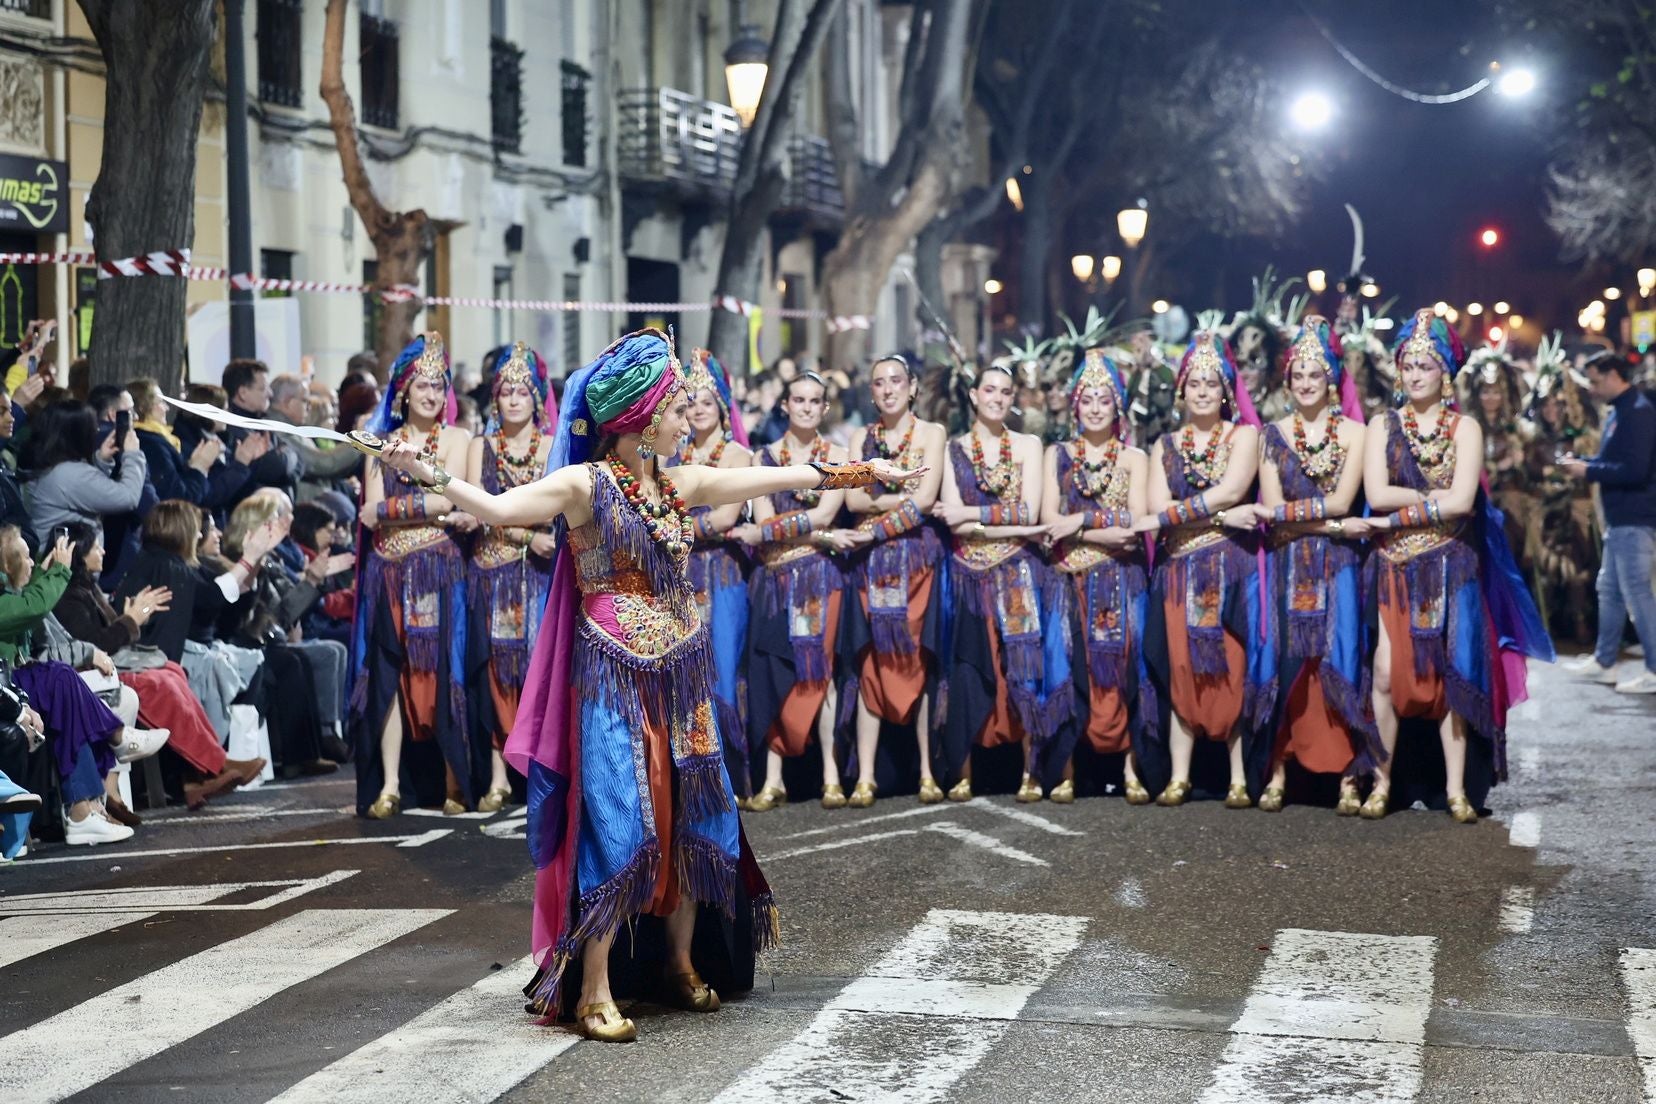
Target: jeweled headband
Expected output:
[1099,372]
[1313,345]
[432,363]
[1207,353]
[1427,335]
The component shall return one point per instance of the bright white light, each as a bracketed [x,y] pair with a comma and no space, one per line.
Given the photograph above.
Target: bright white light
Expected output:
[1598,324]
[1496,333]
[1516,82]
[1082,265]
[1317,281]
[1474,309]
[1160,306]
[1516,322]
[1503,307]
[1440,308]
[1383,323]
[1647,280]
[992,287]
[1453,316]
[1311,111]
[1014,193]
[1595,309]
[1370,291]
[1109,267]
[1612,293]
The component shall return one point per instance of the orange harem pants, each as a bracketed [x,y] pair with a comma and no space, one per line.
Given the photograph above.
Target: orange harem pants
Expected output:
[1411,695]
[794,728]
[1209,705]
[892,685]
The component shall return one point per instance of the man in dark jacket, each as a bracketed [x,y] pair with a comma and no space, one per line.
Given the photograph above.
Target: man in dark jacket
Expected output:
[1625,470]
[247,383]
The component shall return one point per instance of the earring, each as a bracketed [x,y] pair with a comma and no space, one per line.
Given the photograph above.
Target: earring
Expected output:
[1447,389]
[646,446]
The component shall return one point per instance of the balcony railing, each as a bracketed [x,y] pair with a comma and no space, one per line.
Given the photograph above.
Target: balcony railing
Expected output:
[669,137]
[576,82]
[280,78]
[505,95]
[380,74]
[35,9]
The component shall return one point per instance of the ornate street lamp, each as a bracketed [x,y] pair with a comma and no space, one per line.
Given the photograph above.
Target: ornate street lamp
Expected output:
[746,63]
[1109,268]
[1131,223]
[1082,265]
[1317,281]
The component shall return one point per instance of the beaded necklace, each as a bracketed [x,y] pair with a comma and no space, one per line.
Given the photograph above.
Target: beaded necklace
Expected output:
[900,457]
[713,457]
[1205,466]
[1326,456]
[994,481]
[1092,479]
[428,451]
[819,455]
[1429,448]
[511,471]
[669,522]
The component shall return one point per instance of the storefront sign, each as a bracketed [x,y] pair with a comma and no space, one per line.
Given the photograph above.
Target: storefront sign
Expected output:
[34,195]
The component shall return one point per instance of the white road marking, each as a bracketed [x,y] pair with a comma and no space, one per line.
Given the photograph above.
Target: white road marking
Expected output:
[1638,968]
[940,989]
[440,815]
[168,898]
[56,1058]
[1517,909]
[1525,830]
[230,816]
[1131,894]
[1340,1016]
[26,936]
[859,822]
[833,845]
[987,842]
[1529,759]
[474,1046]
[121,856]
[516,828]
[1022,816]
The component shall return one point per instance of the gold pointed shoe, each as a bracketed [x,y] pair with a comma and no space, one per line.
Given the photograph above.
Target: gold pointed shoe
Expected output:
[930,792]
[1237,797]
[961,791]
[495,800]
[1271,800]
[1136,793]
[833,796]
[1375,807]
[615,1027]
[862,796]
[1177,793]
[1063,793]
[1462,810]
[385,806]
[767,799]
[1029,792]
[1350,804]
[691,993]
[452,807]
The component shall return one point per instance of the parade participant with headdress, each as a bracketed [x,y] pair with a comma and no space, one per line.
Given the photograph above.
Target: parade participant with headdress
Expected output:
[630,811]
[797,590]
[1095,485]
[1258,338]
[1001,675]
[1559,542]
[1365,360]
[718,567]
[894,635]
[1205,605]
[1491,387]
[409,708]
[1309,479]
[511,567]
[1150,377]
[1455,620]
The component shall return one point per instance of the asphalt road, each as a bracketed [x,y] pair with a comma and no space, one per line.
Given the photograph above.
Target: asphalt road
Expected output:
[954,953]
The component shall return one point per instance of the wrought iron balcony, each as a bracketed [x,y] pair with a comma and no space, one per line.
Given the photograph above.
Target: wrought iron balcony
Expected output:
[280,75]
[669,138]
[505,94]
[380,72]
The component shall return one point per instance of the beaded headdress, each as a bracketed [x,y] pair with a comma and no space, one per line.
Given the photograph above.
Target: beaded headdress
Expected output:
[1315,345]
[423,358]
[522,365]
[1098,371]
[1207,352]
[1425,334]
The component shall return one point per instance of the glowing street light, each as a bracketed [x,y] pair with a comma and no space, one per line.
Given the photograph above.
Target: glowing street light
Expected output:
[1311,110]
[1496,333]
[1370,290]
[1612,293]
[1490,237]
[992,287]
[746,63]
[1453,316]
[1516,321]
[1441,309]
[1516,82]
[1109,268]
[1647,280]
[1474,309]
[1082,265]
[1317,281]
[1160,306]
[1014,194]
[1131,223]
[1503,307]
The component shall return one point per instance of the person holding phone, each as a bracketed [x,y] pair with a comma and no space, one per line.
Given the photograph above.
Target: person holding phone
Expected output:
[70,475]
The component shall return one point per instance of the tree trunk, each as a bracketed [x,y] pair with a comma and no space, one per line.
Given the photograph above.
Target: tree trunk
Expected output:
[761,173]
[156,54]
[401,239]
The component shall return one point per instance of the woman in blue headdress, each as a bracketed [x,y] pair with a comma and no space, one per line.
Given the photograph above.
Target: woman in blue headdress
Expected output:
[1455,619]
[511,566]
[718,568]
[1309,480]
[408,714]
[631,812]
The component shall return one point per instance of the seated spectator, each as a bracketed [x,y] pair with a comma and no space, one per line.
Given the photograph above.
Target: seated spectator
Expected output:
[317,534]
[112,408]
[164,696]
[281,599]
[356,402]
[324,462]
[83,734]
[231,477]
[71,477]
[247,382]
[17,807]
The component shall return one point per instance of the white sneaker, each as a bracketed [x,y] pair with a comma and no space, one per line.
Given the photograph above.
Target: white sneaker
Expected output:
[1642,683]
[94,830]
[141,743]
[1588,668]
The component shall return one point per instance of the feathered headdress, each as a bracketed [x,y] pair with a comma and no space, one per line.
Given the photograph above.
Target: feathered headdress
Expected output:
[1556,377]
[516,364]
[1489,365]
[423,358]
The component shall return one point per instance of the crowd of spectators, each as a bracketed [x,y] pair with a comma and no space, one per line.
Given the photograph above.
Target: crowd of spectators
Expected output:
[171,589]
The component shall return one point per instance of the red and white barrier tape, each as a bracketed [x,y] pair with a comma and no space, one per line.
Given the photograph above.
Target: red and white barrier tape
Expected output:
[842,322]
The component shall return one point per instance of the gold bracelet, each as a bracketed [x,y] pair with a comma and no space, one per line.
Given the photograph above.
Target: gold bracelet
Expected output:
[977,529]
[1219,519]
[1337,527]
[440,479]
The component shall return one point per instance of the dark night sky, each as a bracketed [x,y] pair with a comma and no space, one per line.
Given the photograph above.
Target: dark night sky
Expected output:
[1425,178]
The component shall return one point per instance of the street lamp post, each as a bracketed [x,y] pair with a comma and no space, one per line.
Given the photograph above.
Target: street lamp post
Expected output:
[747,62]
[1131,224]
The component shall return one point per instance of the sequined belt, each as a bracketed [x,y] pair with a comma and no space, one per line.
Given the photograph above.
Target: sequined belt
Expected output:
[1184,541]
[1400,548]
[779,555]
[980,555]
[496,551]
[645,626]
[400,541]
[1077,558]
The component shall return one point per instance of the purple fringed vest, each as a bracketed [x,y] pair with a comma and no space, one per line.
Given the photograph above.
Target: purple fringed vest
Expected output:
[418,563]
[1305,564]
[798,578]
[511,584]
[1200,564]
[1105,583]
[883,576]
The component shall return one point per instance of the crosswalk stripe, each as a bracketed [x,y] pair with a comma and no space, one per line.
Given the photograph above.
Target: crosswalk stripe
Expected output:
[472,1047]
[1341,1015]
[940,987]
[120,1027]
[1638,969]
[26,936]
